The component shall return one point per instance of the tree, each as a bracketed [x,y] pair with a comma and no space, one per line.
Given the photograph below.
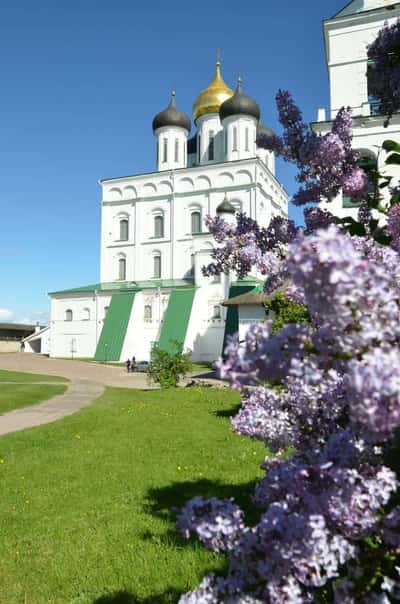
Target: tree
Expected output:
[285,311]
[168,367]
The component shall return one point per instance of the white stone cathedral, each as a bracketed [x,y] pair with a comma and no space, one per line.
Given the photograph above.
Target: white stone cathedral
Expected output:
[154,240]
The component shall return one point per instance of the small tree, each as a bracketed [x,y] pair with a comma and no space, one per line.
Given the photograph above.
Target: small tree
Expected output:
[284,311]
[168,367]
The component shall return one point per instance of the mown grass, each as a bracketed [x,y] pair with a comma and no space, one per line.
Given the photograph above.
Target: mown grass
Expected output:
[20,377]
[86,502]
[14,396]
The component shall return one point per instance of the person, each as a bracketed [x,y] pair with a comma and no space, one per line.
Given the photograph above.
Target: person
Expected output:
[128,365]
[133,364]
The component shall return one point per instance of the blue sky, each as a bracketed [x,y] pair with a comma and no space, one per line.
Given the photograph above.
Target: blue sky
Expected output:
[80,84]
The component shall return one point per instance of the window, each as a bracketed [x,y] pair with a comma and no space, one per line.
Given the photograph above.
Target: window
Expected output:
[368,163]
[159,226]
[195,220]
[176,150]
[199,148]
[216,312]
[157,266]
[122,269]
[165,150]
[191,264]
[68,315]
[86,314]
[148,312]
[234,139]
[246,139]
[226,141]
[106,311]
[211,145]
[124,229]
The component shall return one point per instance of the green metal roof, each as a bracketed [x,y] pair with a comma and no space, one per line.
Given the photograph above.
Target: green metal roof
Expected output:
[111,341]
[121,286]
[176,319]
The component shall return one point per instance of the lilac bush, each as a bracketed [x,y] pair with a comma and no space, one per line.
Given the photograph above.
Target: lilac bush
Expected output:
[384,69]
[325,506]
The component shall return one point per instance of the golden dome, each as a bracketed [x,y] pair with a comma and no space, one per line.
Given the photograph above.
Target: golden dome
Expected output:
[212,97]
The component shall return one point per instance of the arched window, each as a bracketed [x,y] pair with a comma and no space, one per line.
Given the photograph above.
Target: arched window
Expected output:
[192,264]
[86,314]
[216,311]
[235,141]
[122,269]
[68,315]
[159,226]
[211,145]
[246,139]
[195,222]
[199,148]
[176,150]
[106,311]
[157,266]
[124,229]
[165,150]
[148,312]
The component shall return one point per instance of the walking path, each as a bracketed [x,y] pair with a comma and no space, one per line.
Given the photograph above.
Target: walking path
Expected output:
[87,382]
[79,393]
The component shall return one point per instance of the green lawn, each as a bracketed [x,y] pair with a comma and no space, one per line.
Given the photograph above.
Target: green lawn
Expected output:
[13,396]
[16,376]
[86,502]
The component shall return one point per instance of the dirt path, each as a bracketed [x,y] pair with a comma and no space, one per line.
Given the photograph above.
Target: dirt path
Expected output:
[79,393]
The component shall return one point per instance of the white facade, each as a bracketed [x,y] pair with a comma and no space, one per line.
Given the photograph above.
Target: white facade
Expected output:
[154,240]
[347,36]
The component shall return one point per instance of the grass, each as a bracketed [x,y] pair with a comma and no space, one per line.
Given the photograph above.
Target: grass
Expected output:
[86,502]
[16,376]
[201,368]
[14,396]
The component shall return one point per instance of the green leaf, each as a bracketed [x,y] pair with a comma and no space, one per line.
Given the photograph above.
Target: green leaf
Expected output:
[393,159]
[391,146]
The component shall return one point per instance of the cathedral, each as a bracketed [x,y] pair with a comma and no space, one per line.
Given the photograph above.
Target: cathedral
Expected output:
[154,240]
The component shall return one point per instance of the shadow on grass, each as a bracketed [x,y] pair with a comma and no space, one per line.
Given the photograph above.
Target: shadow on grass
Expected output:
[228,412]
[124,597]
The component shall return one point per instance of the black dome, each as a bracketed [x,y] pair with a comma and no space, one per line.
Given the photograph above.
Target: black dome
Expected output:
[171,116]
[262,130]
[239,104]
[225,207]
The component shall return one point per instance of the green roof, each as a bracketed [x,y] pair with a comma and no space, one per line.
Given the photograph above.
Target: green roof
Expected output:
[125,286]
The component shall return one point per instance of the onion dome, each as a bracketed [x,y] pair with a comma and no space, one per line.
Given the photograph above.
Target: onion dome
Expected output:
[171,116]
[262,130]
[212,97]
[239,104]
[225,207]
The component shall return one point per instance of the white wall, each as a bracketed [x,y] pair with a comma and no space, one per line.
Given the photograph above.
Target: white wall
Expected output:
[249,315]
[166,157]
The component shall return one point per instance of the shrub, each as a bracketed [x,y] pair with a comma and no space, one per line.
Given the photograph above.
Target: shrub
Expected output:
[168,367]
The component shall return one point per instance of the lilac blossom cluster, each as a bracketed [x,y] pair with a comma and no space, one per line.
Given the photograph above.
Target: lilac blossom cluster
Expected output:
[384,69]
[338,410]
[327,163]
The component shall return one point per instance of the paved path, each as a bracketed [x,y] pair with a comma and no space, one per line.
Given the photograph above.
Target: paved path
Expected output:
[79,393]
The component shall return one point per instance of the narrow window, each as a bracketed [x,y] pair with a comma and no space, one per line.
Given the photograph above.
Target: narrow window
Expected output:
[86,314]
[211,145]
[106,311]
[124,229]
[68,315]
[157,266]
[235,139]
[195,222]
[159,226]
[184,153]
[199,148]
[147,312]
[246,134]
[226,141]
[216,312]
[122,269]
[176,150]
[165,150]
[192,264]
[158,151]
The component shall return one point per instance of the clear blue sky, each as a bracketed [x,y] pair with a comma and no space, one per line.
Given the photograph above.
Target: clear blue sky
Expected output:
[80,83]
